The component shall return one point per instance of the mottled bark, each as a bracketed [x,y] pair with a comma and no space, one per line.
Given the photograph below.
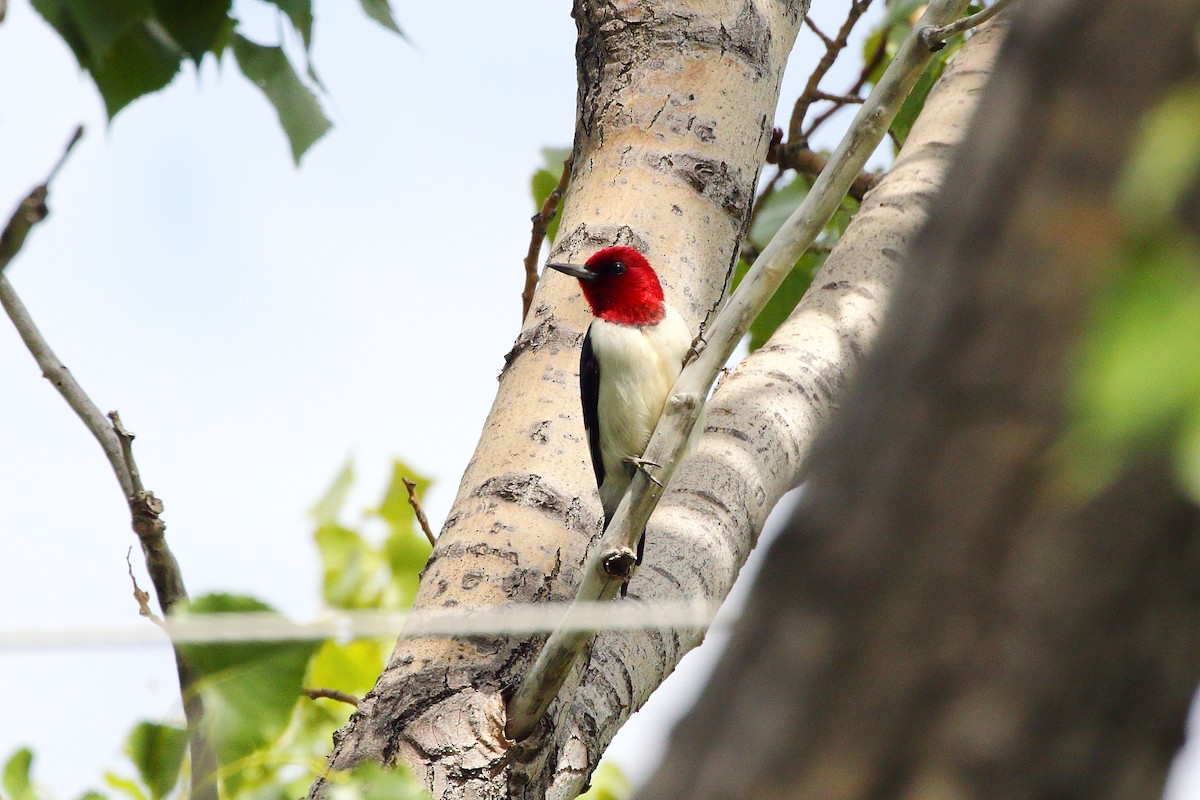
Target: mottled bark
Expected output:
[761,422]
[675,107]
[944,617]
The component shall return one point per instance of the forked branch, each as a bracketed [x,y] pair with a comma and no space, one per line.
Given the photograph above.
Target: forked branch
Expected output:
[116,442]
[542,682]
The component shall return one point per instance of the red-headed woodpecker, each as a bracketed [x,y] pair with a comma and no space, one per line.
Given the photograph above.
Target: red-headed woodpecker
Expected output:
[632,353]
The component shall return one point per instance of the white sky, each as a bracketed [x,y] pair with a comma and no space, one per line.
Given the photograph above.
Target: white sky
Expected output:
[256,324]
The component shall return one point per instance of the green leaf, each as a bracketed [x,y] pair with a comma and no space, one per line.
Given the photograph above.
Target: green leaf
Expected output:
[249,688]
[1164,161]
[352,569]
[370,781]
[92,794]
[102,24]
[775,210]
[157,752]
[326,510]
[17,782]
[902,10]
[1140,376]
[1187,455]
[197,25]
[351,667]
[915,102]
[407,554]
[545,180]
[126,54]
[142,61]
[784,301]
[301,15]
[395,509]
[381,12]
[299,112]
[125,786]
[59,16]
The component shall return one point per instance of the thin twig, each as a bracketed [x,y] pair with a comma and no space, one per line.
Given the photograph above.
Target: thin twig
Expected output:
[935,37]
[32,209]
[331,694]
[541,683]
[142,597]
[864,75]
[416,505]
[115,441]
[812,163]
[541,221]
[812,26]
[833,47]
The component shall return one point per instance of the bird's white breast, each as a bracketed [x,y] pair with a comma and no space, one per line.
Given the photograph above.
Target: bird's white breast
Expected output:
[638,366]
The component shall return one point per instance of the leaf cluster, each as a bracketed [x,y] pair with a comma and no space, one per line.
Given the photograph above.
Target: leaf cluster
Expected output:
[271,739]
[132,48]
[1137,388]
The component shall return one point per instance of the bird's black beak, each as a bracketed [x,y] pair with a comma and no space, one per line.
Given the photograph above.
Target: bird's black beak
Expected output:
[574,270]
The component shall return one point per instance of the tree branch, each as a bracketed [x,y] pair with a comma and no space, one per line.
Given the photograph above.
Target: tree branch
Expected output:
[420,512]
[715,508]
[331,694]
[541,221]
[833,46]
[542,682]
[32,209]
[935,37]
[115,441]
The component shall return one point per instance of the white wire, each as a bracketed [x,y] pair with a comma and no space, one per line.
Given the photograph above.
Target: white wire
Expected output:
[520,619]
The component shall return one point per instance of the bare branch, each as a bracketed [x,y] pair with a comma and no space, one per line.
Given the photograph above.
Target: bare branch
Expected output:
[812,26]
[32,209]
[812,163]
[541,221]
[864,75]
[935,37]
[331,694]
[142,597]
[833,47]
[420,512]
[554,662]
[115,441]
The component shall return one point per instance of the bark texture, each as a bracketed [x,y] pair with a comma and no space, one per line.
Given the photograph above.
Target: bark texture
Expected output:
[944,618]
[762,420]
[674,118]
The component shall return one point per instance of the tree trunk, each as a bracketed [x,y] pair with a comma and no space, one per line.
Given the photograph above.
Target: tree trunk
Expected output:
[674,118]
[761,422]
[945,617]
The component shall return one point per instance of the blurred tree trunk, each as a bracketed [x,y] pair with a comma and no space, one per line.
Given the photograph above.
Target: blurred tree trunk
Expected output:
[945,617]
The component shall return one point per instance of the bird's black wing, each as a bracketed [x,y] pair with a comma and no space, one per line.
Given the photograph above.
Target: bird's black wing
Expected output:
[589,392]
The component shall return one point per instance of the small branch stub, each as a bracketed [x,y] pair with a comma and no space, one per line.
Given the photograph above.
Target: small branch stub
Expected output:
[331,694]
[541,223]
[420,512]
[618,564]
[934,37]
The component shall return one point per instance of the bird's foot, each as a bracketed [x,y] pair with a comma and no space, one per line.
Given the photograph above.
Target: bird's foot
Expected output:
[644,465]
[698,344]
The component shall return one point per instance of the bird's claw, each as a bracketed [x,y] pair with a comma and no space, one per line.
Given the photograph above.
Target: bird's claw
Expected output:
[693,352]
[644,465]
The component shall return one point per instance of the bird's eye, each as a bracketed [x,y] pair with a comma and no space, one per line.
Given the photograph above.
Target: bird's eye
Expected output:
[617,268]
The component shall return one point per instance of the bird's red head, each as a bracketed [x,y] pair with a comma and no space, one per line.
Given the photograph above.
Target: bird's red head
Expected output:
[620,286]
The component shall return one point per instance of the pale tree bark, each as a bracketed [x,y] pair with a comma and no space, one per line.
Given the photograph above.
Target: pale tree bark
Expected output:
[945,617]
[676,102]
[762,419]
